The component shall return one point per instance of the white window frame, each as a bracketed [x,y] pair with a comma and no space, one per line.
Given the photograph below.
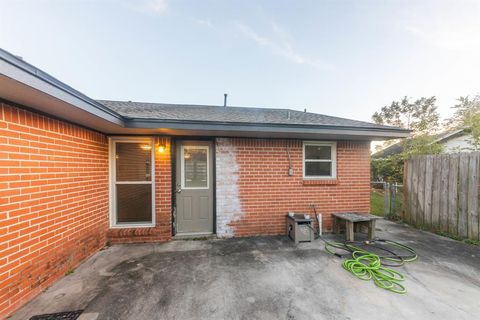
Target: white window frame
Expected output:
[333,160]
[113,183]
[182,166]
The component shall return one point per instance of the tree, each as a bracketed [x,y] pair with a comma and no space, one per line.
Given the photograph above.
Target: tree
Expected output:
[474,125]
[467,115]
[420,116]
[464,110]
[389,169]
[423,144]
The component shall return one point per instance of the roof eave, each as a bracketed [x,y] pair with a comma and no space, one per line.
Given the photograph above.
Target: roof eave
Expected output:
[451,135]
[221,128]
[29,78]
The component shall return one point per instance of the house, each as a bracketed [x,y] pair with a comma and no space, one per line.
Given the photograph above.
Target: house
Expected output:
[76,173]
[459,140]
[452,141]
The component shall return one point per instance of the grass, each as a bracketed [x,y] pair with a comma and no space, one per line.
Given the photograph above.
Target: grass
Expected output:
[377,204]
[458,238]
[472,242]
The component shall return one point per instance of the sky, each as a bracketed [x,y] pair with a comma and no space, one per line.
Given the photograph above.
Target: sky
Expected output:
[342,58]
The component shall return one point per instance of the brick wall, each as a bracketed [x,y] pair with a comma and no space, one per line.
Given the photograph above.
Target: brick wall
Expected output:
[163,206]
[54,195]
[263,193]
[53,201]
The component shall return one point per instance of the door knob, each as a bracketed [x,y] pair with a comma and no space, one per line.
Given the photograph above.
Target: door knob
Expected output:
[179,189]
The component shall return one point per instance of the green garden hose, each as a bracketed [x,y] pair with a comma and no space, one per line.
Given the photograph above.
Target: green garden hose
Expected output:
[367,265]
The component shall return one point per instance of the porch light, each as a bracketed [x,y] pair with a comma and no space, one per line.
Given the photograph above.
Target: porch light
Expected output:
[161,148]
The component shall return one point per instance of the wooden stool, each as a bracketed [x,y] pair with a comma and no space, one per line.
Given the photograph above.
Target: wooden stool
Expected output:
[353,221]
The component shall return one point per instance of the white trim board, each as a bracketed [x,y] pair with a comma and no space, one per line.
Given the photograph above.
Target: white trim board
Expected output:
[333,145]
[112,181]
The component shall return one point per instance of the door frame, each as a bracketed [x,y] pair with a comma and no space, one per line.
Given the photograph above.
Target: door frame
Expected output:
[212,184]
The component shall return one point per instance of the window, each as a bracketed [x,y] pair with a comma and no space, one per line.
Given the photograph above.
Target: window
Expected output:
[132,182]
[194,166]
[319,160]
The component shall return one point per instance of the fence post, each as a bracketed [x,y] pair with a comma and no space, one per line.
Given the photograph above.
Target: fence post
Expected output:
[393,209]
[386,199]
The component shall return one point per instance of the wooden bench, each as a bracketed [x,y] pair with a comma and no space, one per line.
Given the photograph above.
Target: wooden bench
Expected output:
[353,221]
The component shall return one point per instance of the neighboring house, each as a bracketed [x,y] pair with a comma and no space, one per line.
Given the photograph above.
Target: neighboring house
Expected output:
[76,173]
[459,140]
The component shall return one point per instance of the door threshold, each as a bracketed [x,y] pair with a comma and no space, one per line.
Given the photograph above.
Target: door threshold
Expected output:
[194,236]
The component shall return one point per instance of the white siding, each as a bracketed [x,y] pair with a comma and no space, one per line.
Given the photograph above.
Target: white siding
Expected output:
[458,144]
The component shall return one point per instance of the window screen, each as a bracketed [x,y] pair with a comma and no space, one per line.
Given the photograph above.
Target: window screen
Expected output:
[133,182]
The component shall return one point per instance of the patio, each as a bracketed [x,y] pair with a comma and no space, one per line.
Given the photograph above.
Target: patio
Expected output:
[264,278]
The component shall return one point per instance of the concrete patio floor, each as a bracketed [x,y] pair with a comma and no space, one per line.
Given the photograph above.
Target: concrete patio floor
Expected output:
[264,278]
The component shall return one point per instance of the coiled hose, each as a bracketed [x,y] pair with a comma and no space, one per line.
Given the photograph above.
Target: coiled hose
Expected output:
[367,265]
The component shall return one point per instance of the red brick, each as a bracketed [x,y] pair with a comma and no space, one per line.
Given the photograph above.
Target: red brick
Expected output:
[25,154]
[58,195]
[267,193]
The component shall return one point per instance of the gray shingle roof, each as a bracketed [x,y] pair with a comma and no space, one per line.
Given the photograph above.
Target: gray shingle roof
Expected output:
[206,113]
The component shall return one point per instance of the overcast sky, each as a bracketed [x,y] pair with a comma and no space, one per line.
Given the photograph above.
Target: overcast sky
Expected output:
[343,58]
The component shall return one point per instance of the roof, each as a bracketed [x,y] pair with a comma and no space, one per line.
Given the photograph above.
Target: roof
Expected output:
[395,148]
[210,113]
[450,134]
[398,147]
[27,85]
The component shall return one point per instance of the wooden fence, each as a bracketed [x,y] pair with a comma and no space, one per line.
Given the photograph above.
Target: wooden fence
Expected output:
[442,193]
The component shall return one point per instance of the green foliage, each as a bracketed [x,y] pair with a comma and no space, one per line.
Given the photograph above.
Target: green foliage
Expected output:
[474,125]
[420,116]
[420,145]
[377,203]
[472,242]
[465,109]
[467,115]
[388,169]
